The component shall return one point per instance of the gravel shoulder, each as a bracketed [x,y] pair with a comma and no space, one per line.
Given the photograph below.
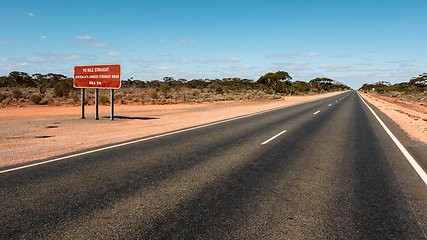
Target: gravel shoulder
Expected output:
[411,116]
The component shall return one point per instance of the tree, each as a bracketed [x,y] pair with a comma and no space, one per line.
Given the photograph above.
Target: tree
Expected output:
[20,79]
[419,83]
[275,80]
[46,81]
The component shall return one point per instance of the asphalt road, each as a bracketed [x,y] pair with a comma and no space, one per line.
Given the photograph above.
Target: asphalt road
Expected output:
[319,170]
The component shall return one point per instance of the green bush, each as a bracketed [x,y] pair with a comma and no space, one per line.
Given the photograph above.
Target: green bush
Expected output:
[103,99]
[164,88]
[35,98]
[63,88]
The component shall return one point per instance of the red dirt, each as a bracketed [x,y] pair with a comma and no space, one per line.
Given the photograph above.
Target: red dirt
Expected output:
[411,116]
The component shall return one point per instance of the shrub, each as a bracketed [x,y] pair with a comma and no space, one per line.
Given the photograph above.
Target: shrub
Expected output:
[103,99]
[35,98]
[63,88]
[16,93]
[154,94]
[164,88]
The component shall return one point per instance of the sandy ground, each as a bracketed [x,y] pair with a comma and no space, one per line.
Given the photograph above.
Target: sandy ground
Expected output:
[37,132]
[411,116]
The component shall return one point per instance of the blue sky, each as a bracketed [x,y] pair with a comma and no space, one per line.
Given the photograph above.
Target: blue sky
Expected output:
[353,42]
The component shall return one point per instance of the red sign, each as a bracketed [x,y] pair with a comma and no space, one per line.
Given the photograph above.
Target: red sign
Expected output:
[97,76]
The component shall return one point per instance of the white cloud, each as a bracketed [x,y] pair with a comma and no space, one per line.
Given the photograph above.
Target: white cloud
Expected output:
[17,65]
[240,68]
[5,43]
[95,44]
[161,40]
[114,54]
[363,64]
[406,65]
[164,55]
[340,55]
[312,54]
[5,60]
[30,14]
[337,68]
[180,42]
[281,55]
[83,37]
[295,66]
[184,41]
[145,60]
[371,69]
[183,61]
[35,59]
[42,37]
[163,68]
[61,58]
[219,60]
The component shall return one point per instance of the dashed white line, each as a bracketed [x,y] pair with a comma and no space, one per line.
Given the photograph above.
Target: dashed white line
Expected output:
[316,112]
[329,105]
[408,156]
[275,136]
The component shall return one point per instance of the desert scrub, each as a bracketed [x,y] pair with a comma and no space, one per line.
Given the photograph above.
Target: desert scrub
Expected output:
[36,98]
[154,94]
[16,93]
[103,99]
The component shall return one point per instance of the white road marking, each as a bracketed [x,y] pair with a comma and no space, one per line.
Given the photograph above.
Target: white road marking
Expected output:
[316,112]
[408,156]
[275,136]
[329,105]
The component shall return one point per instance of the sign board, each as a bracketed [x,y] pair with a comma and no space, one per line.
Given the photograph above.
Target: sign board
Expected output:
[106,76]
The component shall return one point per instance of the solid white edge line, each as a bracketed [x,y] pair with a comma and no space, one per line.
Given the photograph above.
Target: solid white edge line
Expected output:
[275,136]
[142,140]
[408,156]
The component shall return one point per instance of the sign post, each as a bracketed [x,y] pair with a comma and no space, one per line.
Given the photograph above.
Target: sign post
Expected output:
[104,76]
[83,103]
[112,105]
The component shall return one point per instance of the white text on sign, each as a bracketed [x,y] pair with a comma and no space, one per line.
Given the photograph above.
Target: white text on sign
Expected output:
[91,70]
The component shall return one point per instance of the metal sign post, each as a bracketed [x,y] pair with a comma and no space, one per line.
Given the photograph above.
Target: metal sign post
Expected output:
[83,103]
[112,105]
[96,104]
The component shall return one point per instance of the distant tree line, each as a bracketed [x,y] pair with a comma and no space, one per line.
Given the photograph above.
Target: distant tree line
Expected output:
[272,83]
[416,85]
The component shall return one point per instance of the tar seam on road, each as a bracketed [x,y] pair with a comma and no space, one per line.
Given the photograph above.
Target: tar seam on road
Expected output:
[142,140]
[275,136]
[408,156]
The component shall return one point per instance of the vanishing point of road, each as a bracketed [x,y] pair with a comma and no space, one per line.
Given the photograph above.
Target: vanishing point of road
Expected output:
[326,169]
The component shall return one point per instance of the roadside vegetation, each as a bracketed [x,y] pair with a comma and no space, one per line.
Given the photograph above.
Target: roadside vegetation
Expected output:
[414,89]
[57,89]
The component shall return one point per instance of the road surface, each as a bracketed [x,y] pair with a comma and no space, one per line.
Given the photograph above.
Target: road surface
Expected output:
[324,169]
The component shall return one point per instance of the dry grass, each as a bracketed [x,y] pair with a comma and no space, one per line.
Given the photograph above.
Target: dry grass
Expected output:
[132,95]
